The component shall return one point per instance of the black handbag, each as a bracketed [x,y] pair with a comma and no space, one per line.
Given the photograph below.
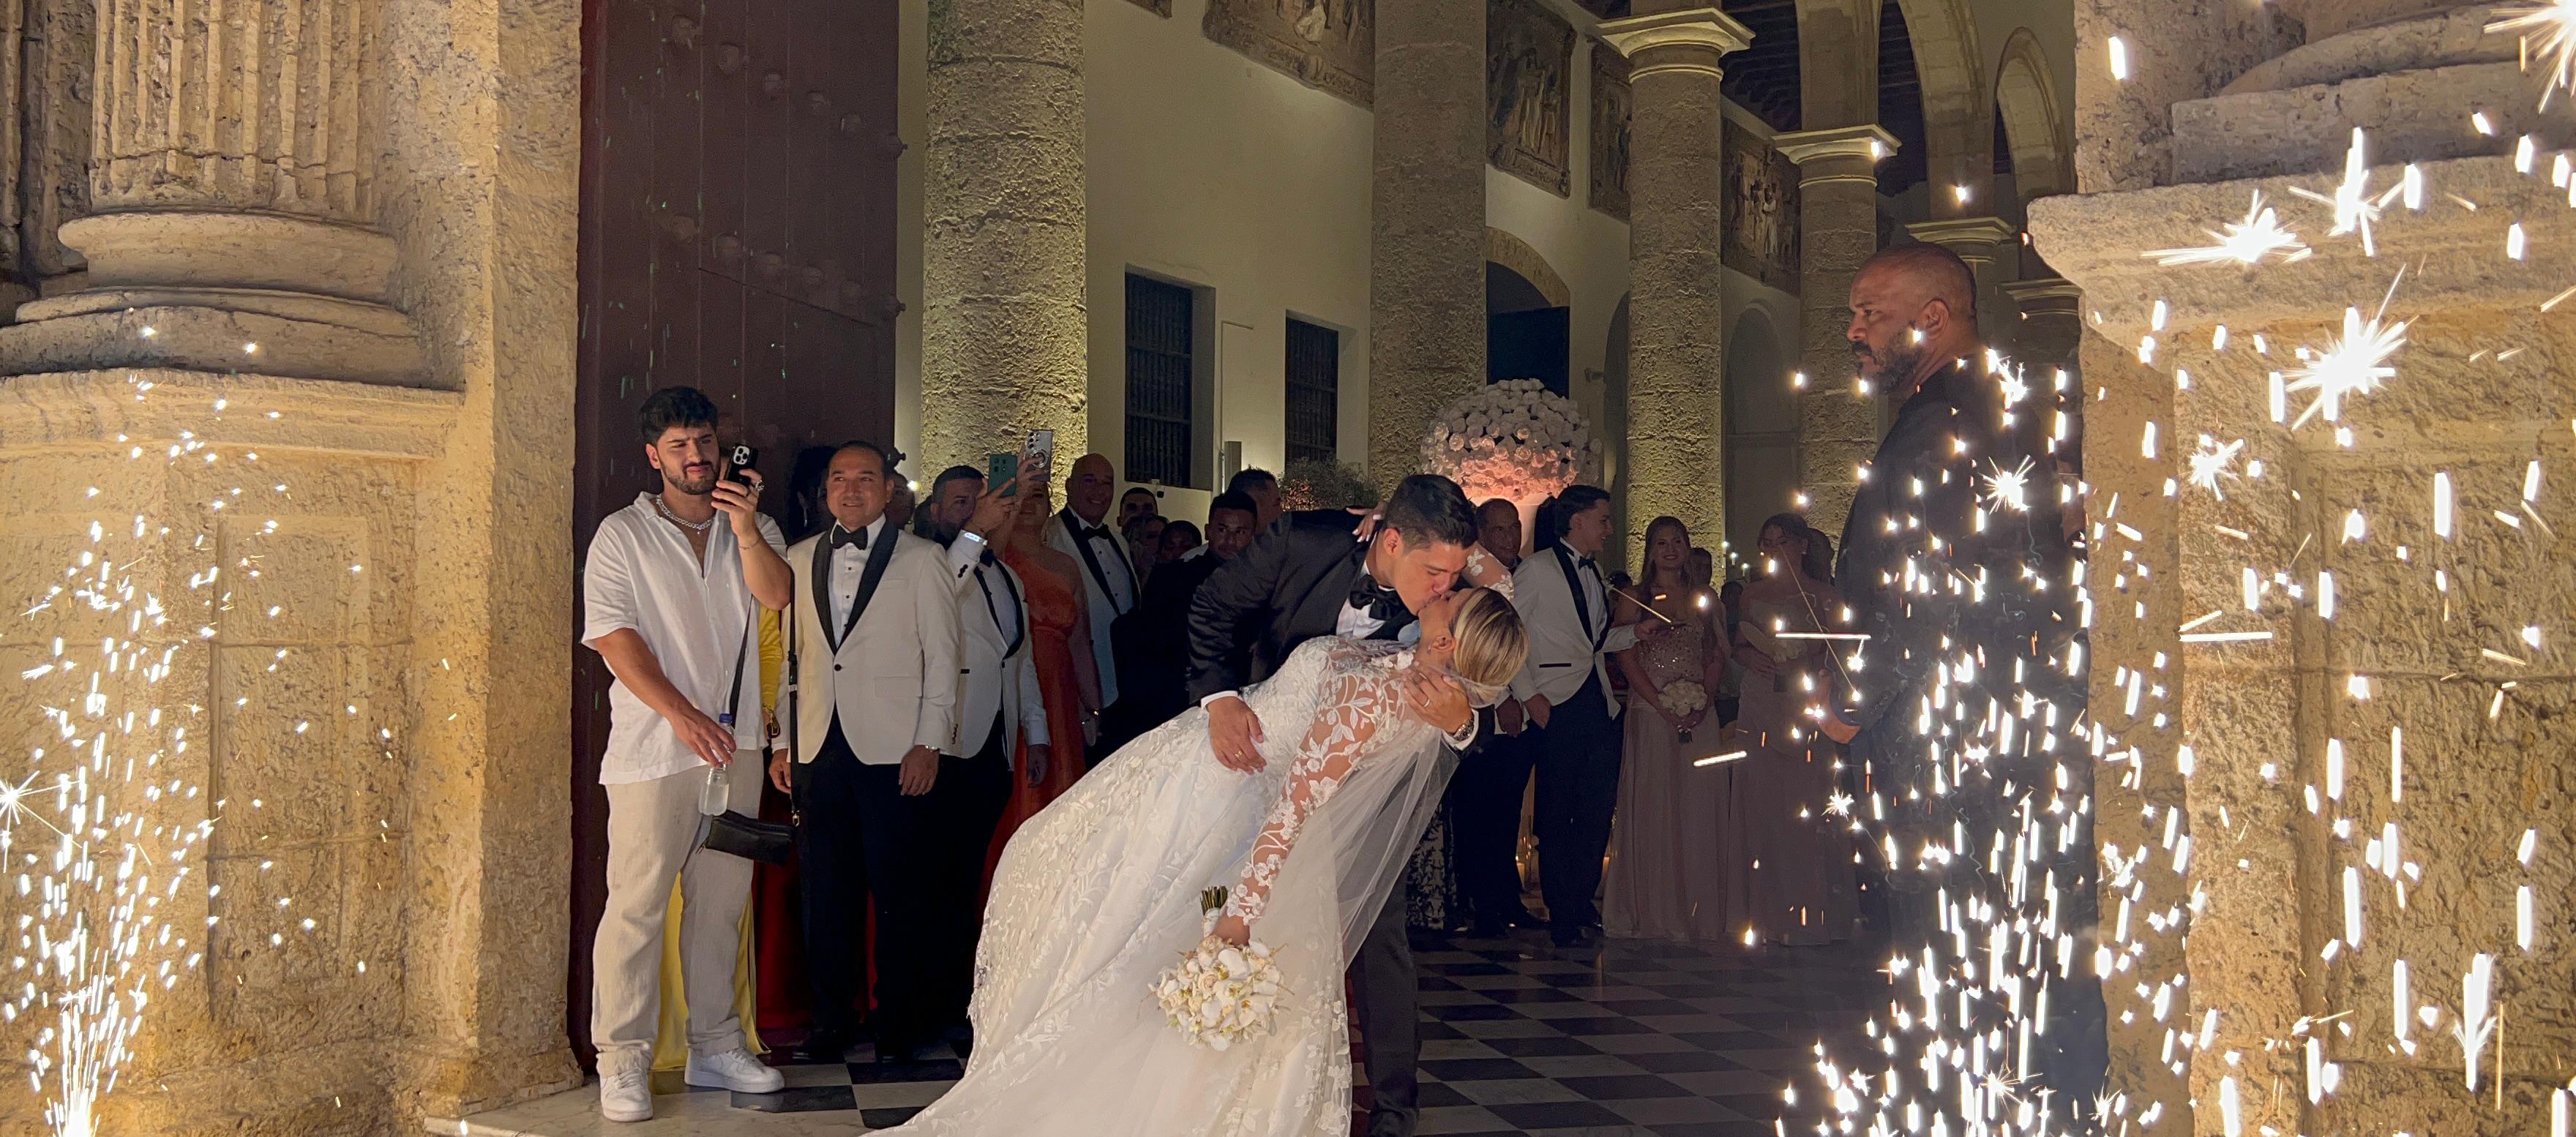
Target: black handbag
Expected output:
[745,836]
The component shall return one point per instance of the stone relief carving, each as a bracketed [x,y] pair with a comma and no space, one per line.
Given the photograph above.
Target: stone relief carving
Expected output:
[1529,68]
[1610,103]
[1328,44]
[1761,233]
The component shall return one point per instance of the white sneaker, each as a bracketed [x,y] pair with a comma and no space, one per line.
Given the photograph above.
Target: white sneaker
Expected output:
[626,1095]
[734,1070]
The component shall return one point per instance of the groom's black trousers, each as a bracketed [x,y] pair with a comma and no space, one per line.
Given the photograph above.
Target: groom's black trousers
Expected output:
[1578,787]
[1382,990]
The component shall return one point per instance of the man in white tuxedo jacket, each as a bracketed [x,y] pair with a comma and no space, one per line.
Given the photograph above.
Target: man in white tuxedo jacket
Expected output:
[1083,530]
[999,704]
[871,703]
[1565,690]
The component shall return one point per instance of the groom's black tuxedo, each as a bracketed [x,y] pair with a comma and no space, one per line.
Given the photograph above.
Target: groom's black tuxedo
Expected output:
[1289,587]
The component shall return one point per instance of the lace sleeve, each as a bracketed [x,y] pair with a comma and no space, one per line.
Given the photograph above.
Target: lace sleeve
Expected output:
[1358,696]
[1483,571]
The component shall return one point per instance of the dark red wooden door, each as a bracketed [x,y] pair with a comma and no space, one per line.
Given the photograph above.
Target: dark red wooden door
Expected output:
[737,235]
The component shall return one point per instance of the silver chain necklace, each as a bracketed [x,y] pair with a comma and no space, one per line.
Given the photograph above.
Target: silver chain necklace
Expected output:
[692,526]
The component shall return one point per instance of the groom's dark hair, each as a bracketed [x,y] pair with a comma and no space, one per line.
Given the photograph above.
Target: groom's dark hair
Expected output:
[1428,509]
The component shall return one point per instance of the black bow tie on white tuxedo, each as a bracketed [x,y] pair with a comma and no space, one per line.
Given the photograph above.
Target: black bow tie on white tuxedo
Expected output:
[855,538]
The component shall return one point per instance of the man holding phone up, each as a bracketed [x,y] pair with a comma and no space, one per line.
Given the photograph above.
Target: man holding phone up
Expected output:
[671,600]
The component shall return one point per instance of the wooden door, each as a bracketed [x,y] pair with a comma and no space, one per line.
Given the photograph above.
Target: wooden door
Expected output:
[737,235]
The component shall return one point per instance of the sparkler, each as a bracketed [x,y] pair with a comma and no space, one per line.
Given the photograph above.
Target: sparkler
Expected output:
[2550,28]
[2248,242]
[2213,463]
[2354,363]
[2356,209]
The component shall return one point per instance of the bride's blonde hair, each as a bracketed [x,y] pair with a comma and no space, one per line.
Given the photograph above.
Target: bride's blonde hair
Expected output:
[1492,643]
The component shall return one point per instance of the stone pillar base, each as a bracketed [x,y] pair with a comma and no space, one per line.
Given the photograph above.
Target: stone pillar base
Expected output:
[222,292]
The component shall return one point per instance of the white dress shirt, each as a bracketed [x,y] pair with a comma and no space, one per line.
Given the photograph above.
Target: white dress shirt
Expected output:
[1110,594]
[697,617]
[849,567]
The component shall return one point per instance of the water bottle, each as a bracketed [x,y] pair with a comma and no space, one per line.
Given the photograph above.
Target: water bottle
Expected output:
[711,796]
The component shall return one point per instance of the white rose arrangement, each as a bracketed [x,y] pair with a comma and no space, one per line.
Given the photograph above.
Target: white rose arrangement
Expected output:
[1681,699]
[1513,439]
[1220,994]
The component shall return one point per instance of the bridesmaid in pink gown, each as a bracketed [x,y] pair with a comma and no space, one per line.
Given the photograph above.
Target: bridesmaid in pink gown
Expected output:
[1667,874]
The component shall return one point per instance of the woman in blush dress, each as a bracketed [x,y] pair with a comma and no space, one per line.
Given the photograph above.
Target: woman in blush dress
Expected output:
[1797,844]
[1060,635]
[1666,878]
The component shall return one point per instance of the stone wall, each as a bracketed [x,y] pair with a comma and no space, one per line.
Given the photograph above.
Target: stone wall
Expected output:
[2276,755]
[387,753]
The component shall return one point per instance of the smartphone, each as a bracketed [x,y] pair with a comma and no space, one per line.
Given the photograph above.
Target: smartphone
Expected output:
[999,469]
[1041,450]
[741,461]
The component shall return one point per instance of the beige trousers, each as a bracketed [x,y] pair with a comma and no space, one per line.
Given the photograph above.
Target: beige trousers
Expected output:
[653,833]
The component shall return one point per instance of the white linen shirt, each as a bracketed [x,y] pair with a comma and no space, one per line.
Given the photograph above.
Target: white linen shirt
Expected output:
[641,575]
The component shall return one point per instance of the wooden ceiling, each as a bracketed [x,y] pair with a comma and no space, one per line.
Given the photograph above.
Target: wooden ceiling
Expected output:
[1763,78]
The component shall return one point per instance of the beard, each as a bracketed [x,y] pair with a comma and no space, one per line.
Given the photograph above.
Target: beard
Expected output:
[1898,361]
[696,485]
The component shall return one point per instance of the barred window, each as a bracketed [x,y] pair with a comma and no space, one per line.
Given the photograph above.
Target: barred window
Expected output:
[1314,391]
[1160,372]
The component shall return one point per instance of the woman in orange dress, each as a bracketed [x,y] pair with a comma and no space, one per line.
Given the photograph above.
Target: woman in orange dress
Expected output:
[1060,635]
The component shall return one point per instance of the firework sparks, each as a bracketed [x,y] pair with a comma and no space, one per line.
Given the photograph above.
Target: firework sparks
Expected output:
[2213,463]
[2548,30]
[2356,209]
[2355,363]
[2258,237]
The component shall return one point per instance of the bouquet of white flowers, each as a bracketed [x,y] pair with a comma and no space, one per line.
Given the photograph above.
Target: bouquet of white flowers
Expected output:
[1681,698]
[1512,439]
[1220,994]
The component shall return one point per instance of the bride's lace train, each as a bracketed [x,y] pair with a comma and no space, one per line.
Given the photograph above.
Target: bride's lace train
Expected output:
[1099,894]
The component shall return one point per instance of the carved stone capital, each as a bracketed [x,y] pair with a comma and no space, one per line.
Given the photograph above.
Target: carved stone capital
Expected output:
[1973,238]
[1691,41]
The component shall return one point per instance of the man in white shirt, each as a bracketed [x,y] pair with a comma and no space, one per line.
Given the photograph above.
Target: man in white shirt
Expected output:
[1081,530]
[998,703]
[1565,691]
[671,599]
[869,702]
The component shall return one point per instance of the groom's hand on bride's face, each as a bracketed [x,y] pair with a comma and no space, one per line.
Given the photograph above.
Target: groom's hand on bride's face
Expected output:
[1234,732]
[1440,701]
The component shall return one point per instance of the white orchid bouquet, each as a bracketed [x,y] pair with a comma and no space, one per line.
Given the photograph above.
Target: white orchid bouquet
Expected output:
[1513,439]
[1220,994]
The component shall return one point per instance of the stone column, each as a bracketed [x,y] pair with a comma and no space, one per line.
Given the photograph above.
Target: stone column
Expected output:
[1676,310]
[232,224]
[2052,320]
[1986,243]
[2412,505]
[1427,224]
[1838,230]
[1003,322]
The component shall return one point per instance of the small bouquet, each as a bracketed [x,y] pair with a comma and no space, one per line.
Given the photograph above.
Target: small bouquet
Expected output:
[1220,994]
[1682,699]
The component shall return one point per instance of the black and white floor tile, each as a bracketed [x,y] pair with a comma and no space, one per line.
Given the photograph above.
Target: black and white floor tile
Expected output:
[1518,1037]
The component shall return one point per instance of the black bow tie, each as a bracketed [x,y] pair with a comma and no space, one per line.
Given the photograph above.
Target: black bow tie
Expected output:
[1082,532]
[988,558]
[1588,563]
[857,538]
[1380,602]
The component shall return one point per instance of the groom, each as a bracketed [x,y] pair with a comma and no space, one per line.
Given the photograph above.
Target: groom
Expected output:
[1310,576]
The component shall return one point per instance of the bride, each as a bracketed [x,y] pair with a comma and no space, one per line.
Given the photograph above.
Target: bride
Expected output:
[1098,895]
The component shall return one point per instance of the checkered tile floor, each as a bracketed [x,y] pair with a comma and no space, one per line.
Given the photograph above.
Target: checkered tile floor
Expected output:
[1523,1038]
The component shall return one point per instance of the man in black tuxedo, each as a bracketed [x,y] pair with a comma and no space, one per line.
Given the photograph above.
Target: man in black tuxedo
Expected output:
[1310,576]
[1154,664]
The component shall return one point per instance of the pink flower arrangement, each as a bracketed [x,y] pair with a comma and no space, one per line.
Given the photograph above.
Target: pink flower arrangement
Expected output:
[1514,439]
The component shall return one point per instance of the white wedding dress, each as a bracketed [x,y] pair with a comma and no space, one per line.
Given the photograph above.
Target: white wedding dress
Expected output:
[1099,894]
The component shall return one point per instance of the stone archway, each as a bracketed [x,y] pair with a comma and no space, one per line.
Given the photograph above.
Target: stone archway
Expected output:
[1957,132]
[2033,113]
[1515,254]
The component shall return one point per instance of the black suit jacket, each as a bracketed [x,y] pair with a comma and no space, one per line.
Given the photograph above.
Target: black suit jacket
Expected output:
[1289,587]
[1153,660]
